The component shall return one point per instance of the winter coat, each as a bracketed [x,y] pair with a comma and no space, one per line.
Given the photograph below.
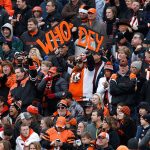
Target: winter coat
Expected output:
[21,25]
[17,45]
[145,91]
[3,17]
[34,137]
[122,90]
[29,41]
[70,11]
[47,26]
[81,80]
[24,90]
[101,89]
[143,144]
[66,136]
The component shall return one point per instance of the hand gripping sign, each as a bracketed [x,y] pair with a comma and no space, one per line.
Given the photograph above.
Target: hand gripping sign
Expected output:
[62,34]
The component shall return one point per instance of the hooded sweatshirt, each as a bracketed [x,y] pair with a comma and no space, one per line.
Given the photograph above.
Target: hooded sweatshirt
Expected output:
[17,44]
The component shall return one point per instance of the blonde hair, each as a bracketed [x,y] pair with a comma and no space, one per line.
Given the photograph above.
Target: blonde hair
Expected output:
[124,49]
[38,54]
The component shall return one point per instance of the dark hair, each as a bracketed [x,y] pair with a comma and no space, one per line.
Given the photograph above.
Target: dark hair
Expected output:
[8,130]
[99,113]
[23,125]
[48,121]
[21,69]
[7,145]
[140,35]
[8,63]
[112,122]
[33,20]
[114,10]
[53,2]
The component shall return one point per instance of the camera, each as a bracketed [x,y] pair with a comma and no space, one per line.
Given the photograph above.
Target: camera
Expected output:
[78,142]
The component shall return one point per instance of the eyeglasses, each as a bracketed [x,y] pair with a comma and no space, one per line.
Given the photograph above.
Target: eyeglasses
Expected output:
[61,107]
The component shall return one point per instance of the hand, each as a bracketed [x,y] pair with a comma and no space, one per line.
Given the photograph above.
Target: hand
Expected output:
[114,76]
[105,84]
[138,48]
[132,76]
[48,78]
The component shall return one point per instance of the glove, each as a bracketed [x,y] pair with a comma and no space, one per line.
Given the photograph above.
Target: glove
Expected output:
[114,76]
[132,76]
[48,78]
[51,96]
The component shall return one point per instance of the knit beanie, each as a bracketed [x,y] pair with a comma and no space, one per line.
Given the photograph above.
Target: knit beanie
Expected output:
[32,109]
[136,64]
[122,147]
[126,110]
[17,105]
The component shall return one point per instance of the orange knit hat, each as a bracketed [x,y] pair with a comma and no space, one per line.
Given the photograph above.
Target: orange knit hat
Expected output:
[32,109]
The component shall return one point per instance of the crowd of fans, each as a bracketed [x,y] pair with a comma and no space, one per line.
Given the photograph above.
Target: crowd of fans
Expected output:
[73,98]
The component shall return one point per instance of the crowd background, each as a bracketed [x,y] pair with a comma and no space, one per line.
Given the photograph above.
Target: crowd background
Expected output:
[74,98]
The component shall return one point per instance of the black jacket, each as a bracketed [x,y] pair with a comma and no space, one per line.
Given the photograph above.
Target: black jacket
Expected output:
[29,41]
[3,16]
[145,91]
[21,25]
[122,90]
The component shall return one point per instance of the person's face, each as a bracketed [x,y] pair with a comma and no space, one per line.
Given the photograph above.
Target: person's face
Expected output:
[101,141]
[85,140]
[95,99]
[59,129]
[107,73]
[91,16]
[147,56]
[143,122]
[19,75]
[122,28]
[63,50]
[20,4]
[136,40]
[109,14]
[37,14]
[32,53]
[31,27]
[6,32]
[1,146]
[5,48]
[128,3]
[119,109]
[32,147]
[61,110]
[24,131]
[88,110]
[133,70]
[83,15]
[43,125]
[6,70]
[94,117]
[143,111]
[135,6]
[80,128]
[123,70]
[105,125]
[121,55]
[12,111]
[49,7]
[44,68]
[1,103]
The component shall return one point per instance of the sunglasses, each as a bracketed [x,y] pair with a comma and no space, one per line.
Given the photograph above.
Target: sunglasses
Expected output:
[61,107]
